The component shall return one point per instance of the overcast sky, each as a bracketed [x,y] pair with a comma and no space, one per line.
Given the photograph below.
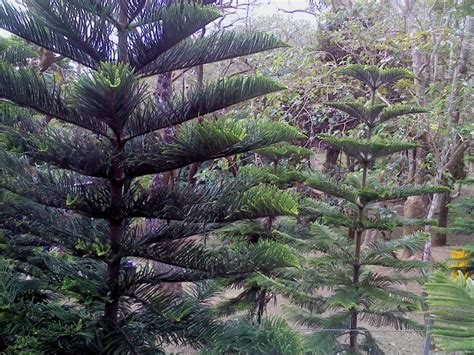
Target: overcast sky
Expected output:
[268,8]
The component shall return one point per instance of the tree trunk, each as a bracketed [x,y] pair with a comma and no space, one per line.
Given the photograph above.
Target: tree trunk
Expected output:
[440,238]
[330,165]
[117,182]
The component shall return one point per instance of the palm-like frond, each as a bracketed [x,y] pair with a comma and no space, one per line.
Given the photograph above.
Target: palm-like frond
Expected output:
[366,150]
[331,186]
[373,76]
[200,101]
[452,307]
[212,48]
[27,88]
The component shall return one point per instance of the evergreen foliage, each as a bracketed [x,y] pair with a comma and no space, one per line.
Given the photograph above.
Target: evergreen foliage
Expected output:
[82,227]
[271,336]
[338,286]
[253,298]
[452,309]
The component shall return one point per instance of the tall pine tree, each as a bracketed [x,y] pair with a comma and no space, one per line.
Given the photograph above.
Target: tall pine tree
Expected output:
[338,260]
[76,160]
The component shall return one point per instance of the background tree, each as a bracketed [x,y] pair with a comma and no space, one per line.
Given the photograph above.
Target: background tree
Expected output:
[344,265]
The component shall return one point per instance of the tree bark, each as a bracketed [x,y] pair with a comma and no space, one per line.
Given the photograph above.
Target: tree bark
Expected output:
[330,165]
[440,238]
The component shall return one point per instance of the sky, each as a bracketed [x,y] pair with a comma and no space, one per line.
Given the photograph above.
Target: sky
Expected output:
[266,8]
[271,7]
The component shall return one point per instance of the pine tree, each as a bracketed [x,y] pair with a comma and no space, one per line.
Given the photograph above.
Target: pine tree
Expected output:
[76,162]
[279,170]
[337,259]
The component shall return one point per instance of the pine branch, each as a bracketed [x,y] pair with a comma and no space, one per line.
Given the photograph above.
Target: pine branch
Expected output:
[413,243]
[46,224]
[398,110]
[359,111]
[35,29]
[378,195]
[197,142]
[452,306]
[16,51]
[391,319]
[64,148]
[374,76]
[212,48]
[284,151]
[200,101]
[86,28]
[165,29]
[58,189]
[27,88]
[333,187]
[366,150]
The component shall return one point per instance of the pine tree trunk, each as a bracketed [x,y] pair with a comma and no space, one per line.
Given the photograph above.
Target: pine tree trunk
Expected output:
[200,81]
[440,237]
[353,345]
[355,279]
[116,196]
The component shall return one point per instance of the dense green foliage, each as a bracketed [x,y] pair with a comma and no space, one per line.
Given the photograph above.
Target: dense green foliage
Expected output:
[80,220]
[280,172]
[452,309]
[152,198]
